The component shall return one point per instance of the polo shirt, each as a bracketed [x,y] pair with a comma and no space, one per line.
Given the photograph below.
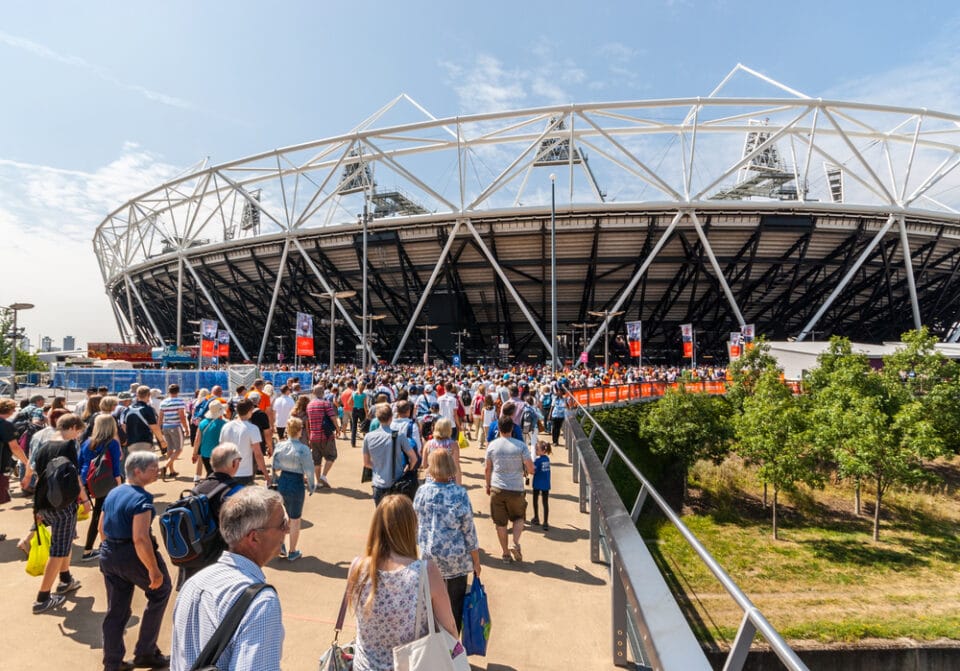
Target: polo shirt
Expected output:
[122,504]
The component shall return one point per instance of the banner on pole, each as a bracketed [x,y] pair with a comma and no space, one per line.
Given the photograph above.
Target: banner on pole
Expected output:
[304,334]
[747,331]
[208,329]
[207,350]
[733,347]
[634,338]
[583,357]
[223,344]
[686,332]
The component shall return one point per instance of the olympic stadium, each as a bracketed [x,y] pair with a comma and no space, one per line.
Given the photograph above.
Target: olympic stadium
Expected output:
[806,217]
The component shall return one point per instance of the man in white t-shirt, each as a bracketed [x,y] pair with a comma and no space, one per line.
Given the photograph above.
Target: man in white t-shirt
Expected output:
[282,407]
[246,436]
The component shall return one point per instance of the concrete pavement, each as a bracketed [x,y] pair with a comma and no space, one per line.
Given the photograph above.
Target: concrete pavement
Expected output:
[550,612]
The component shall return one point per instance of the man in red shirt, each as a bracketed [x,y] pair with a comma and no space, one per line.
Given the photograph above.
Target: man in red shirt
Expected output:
[324,426]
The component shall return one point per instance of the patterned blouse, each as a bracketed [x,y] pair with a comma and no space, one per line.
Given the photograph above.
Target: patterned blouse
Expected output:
[446,532]
[391,618]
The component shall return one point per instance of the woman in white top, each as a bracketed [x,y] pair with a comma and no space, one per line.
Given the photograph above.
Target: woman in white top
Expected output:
[383,587]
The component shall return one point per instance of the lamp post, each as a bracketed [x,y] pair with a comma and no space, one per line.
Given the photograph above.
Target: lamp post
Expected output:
[426,341]
[553,272]
[460,335]
[280,356]
[199,334]
[583,342]
[367,335]
[607,315]
[333,296]
[366,217]
[15,308]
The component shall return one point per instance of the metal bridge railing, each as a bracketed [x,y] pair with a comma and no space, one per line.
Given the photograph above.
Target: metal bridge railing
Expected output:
[647,620]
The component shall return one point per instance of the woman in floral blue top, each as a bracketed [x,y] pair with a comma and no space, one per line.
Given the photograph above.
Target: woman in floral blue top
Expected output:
[445,530]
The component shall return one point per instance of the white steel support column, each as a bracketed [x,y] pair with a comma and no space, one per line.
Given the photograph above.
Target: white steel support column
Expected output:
[908,267]
[412,319]
[716,268]
[117,315]
[216,309]
[132,287]
[273,300]
[180,300]
[636,277]
[509,285]
[846,278]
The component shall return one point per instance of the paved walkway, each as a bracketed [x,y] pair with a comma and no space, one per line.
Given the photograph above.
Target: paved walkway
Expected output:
[550,612]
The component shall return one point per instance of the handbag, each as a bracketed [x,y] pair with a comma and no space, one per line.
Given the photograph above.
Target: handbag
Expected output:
[407,483]
[476,619]
[39,550]
[83,513]
[4,489]
[438,650]
[211,652]
[462,441]
[338,658]
[366,475]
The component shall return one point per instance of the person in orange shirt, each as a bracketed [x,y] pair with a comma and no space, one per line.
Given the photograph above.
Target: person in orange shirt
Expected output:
[346,402]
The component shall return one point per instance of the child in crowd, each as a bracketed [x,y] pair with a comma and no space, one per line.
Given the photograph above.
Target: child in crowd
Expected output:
[541,484]
[489,414]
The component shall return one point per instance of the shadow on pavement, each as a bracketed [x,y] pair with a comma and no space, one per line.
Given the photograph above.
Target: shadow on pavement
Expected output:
[82,624]
[314,565]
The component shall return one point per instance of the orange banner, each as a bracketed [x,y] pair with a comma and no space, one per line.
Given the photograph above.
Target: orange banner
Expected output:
[688,350]
[223,351]
[304,346]
[207,350]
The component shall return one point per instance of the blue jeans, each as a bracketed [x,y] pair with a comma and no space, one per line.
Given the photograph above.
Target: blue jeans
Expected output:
[122,572]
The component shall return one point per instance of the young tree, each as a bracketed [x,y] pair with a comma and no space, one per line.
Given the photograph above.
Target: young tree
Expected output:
[772,435]
[687,427]
[746,371]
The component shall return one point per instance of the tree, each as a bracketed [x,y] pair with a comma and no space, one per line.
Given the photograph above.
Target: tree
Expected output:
[687,427]
[876,428]
[772,435]
[746,371]
[25,360]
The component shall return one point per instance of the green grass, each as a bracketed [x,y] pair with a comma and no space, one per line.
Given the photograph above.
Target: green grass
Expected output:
[825,580]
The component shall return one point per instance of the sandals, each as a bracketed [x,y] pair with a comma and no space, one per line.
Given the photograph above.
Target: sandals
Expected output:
[517,554]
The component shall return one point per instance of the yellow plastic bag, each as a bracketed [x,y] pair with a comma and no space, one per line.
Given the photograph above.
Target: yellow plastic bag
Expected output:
[462,441]
[83,513]
[39,550]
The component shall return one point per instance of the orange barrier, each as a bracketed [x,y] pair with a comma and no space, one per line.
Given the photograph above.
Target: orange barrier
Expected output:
[619,393]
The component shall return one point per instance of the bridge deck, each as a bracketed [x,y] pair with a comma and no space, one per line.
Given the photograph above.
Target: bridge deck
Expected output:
[550,610]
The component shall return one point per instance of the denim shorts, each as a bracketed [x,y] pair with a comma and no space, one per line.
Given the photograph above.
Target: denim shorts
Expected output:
[290,486]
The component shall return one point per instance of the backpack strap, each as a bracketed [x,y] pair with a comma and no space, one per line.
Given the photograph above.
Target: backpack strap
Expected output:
[222,636]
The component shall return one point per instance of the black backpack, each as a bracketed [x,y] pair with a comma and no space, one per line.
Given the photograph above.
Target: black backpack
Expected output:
[189,529]
[62,481]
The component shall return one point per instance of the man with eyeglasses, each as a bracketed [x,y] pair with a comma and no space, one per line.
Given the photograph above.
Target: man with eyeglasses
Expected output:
[253,523]
[217,487]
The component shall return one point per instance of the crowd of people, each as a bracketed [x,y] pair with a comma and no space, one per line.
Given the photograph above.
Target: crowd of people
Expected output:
[254,455]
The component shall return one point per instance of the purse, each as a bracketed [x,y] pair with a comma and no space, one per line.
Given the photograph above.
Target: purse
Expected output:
[438,650]
[337,658]
[4,489]
[39,550]
[211,652]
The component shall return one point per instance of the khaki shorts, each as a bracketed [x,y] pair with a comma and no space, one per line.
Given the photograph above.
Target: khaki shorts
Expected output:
[140,447]
[174,439]
[507,506]
[323,449]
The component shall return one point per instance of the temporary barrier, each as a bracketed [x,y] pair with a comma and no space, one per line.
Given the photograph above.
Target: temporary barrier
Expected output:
[117,380]
[620,393]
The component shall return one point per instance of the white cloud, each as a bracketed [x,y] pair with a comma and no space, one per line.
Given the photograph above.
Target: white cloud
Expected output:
[75,61]
[48,216]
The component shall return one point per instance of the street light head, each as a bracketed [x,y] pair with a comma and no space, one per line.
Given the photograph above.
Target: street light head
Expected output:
[553,177]
[20,306]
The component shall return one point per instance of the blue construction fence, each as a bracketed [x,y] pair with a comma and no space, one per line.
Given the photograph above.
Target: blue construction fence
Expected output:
[117,380]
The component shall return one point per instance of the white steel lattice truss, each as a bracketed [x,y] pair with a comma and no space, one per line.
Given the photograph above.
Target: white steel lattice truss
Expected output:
[679,154]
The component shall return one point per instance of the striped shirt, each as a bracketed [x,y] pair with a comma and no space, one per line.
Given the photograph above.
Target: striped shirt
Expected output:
[316,410]
[170,408]
[203,604]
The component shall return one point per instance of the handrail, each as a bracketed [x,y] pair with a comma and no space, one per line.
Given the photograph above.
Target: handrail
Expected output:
[654,617]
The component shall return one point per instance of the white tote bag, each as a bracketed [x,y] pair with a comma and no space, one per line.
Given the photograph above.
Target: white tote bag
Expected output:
[438,650]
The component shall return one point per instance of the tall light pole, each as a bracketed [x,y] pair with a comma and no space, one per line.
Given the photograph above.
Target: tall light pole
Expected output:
[333,296]
[15,308]
[460,335]
[366,216]
[607,315]
[426,341]
[583,342]
[553,272]
[367,335]
[199,334]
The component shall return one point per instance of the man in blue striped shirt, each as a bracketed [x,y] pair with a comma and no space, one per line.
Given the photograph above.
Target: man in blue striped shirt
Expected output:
[253,523]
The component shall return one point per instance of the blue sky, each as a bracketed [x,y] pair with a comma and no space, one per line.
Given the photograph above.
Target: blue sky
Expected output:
[104,100]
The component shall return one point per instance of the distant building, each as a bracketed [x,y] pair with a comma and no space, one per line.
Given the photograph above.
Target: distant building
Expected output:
[46,344]
[69,343]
